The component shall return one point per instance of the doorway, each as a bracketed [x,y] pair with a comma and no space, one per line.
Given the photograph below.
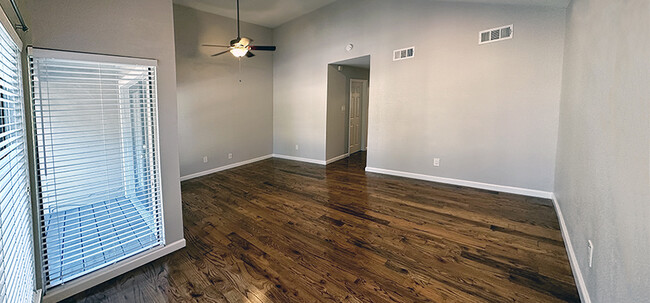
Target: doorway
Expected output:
[348,84]
[357,131]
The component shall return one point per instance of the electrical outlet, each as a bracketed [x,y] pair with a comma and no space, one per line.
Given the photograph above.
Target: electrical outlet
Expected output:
[230,156]
[590,245]
[205,159]
[297,147]
[436,162]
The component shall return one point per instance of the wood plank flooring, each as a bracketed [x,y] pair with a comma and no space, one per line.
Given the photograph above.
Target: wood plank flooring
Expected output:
[284,231]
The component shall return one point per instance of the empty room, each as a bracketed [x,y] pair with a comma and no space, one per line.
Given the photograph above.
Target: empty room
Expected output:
[324,151]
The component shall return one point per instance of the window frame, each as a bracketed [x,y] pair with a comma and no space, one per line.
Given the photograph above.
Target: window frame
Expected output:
[7,118]
[153,89]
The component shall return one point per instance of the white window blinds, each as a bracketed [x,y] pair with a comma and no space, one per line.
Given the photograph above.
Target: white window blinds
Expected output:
[96,133]
[16,234]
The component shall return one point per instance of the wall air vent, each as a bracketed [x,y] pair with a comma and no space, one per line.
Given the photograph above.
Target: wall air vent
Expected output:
[405,53]
[495,34]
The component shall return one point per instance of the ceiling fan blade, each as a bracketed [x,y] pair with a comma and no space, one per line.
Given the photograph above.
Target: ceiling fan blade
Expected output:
[214,45]
[249,54]
[263,48]
[221,53]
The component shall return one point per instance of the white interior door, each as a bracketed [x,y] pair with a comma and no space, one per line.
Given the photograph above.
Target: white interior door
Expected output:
[356,94]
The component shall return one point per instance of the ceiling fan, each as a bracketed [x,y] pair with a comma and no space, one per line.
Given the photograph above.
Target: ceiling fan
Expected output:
[241,46]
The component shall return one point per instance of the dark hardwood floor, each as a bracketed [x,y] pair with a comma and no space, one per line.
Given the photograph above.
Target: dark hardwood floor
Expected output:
[284,231]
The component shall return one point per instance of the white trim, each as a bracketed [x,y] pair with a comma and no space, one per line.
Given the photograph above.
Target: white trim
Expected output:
[222,168]
[80,56]
[11,30]
[493,187]
[319,162]
[343,156]
[38,296]
[365,115]
[573,260]
[76,286]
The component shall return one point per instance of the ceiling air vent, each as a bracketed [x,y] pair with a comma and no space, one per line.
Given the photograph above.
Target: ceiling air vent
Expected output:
[495,34]
[405,53]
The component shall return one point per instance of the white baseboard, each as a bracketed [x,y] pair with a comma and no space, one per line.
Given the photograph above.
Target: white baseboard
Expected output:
[493,187]
[573,260]
[319,162]
[76,286]
[343,156]
[222,168]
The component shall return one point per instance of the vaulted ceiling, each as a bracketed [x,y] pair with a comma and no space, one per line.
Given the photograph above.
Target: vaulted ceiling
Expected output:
[269,13]
[550,3]
[272,13]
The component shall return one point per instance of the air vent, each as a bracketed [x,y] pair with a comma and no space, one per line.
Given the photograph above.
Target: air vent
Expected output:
[405,53]
[495,34]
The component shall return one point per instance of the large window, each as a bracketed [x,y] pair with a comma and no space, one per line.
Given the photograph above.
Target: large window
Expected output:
[95,121]
[16,233]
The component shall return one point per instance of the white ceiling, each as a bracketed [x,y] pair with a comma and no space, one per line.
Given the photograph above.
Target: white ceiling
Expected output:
[361,62]
[273,13]
[550,3]
[269,13]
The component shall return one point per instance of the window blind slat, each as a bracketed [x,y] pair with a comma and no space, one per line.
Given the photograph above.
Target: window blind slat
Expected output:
[89,69]
[83,164]
[79,199]
[59,127]
[73,149]
[124,240]
[17,281]
[89,173]
[78,269]
[16,150]
[12,185]
[99,220]
[82,191]
[97,163]
[86,103]
[73,250]
[70,252]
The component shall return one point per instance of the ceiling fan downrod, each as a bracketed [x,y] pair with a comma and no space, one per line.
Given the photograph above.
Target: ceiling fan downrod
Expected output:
[238,31]
[240,46]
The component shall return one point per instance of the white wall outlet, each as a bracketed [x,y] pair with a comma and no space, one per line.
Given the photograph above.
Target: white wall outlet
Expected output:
[590,245]
[230,156]
[297,147]
[205,159]
[342,108]
[436,162]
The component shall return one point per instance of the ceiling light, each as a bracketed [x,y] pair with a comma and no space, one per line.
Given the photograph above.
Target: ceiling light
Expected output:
[239,51]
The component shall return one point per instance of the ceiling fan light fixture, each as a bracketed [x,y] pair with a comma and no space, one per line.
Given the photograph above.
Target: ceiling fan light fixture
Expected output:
[241,46]
[239,51]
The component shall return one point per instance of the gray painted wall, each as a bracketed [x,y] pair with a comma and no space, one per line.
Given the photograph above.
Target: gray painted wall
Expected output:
[338,98]
[217,114]
[602,179]
[141,28]
[489,112]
